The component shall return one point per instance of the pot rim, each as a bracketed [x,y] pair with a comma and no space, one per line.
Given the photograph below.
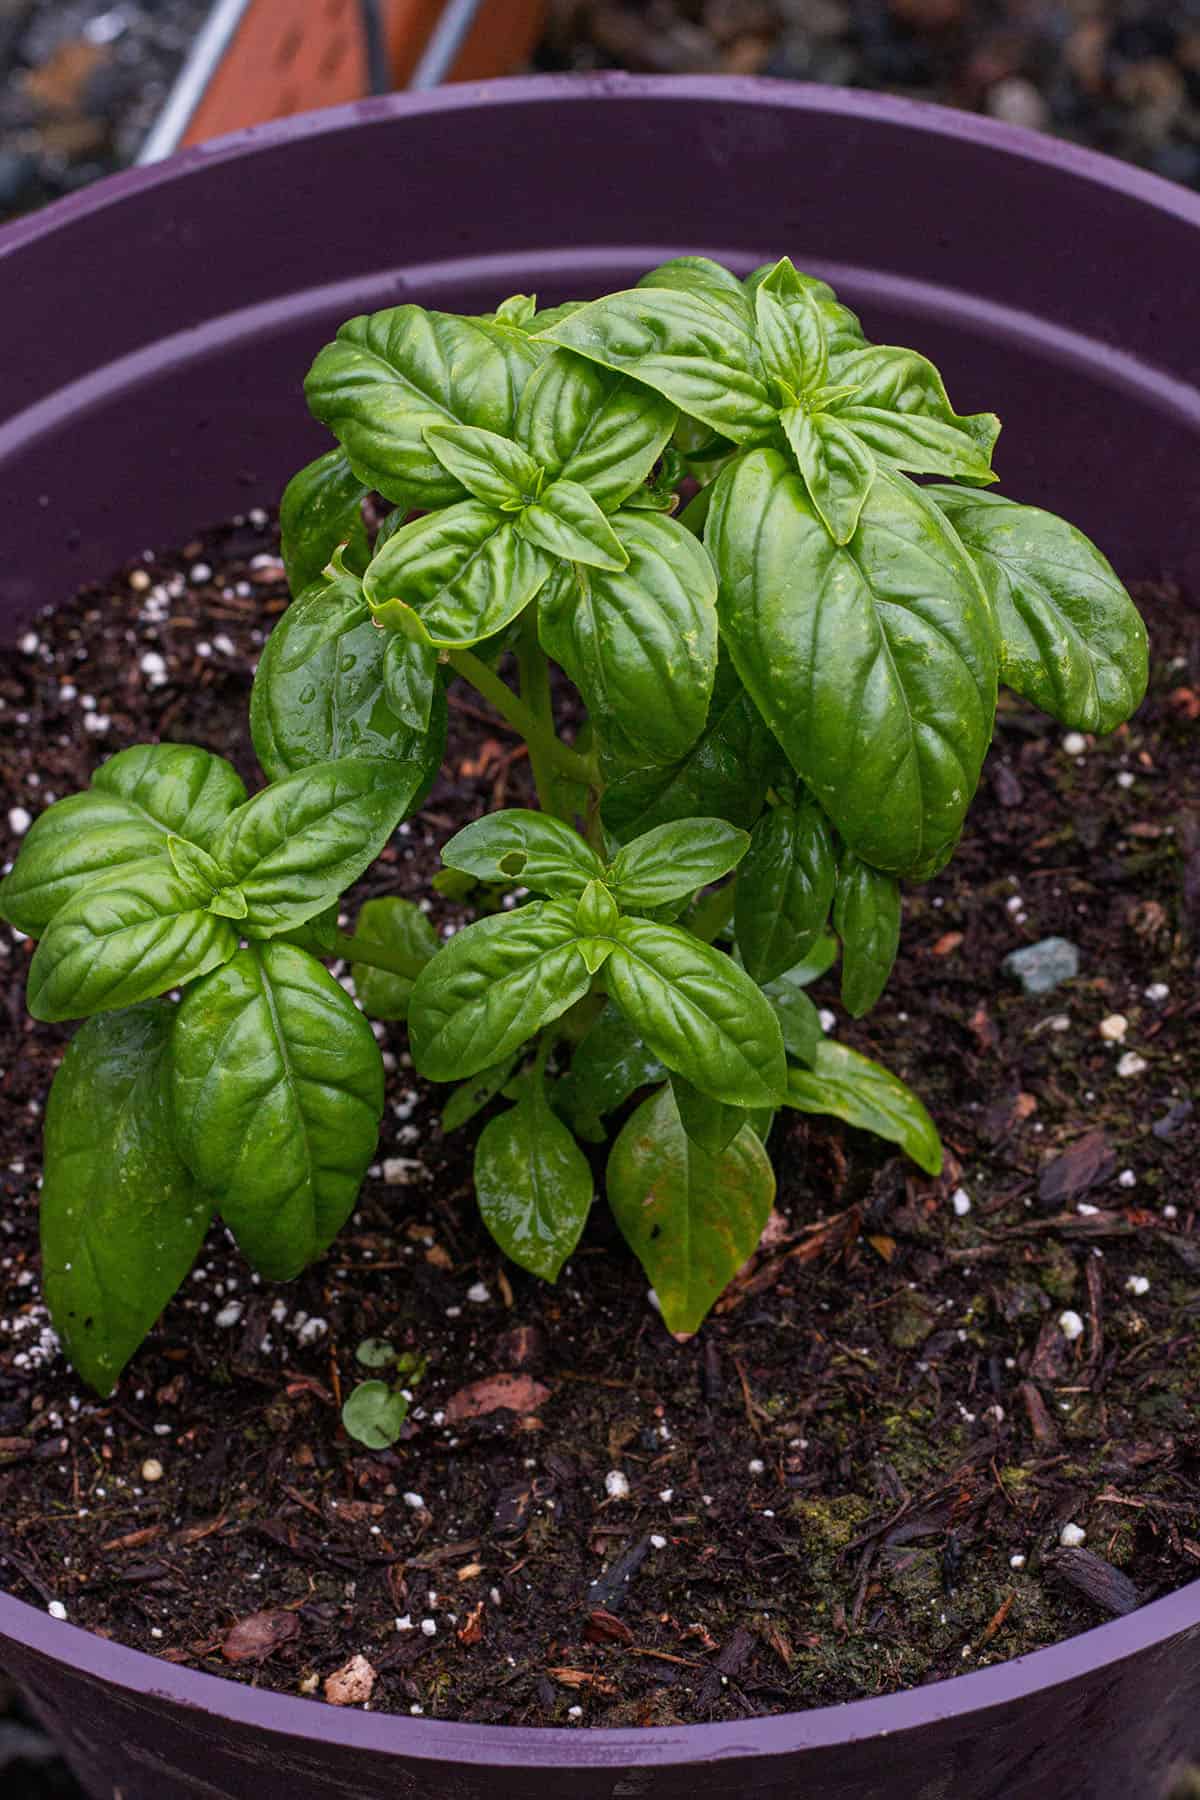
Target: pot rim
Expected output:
[439,1741]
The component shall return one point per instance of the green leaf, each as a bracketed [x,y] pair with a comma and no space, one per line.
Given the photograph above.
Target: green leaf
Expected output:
[837,467]
[899,409]
[300,843]
[711,282]
[396,931]
[322,691]
[639,644]
[278,1091]
[518,309]
[819,960]
[317,935]
[194,865]
[799,1020]
[692,1219]
[676,859]
[791,331]
[533,1183]
[843,333]
[491,467]
[866,914]
[521,846]
[137,800]
[709,1123]
[123,940]
[566,522]
[1071,639]
[121,1218]
[724,773]
[584,424]
[785,889]
[682,343]
[410,680]
[492,986]
[375,1353]
[466,572]
[321,509]
[610,1063]
[389,375]
[874,664]
[596,911]
[374,1414]
[473,1095]
[853,1088]
[697,1011]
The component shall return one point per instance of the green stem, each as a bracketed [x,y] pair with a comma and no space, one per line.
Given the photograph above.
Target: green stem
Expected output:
[374,956]
[521,717]
[534,668]
[714,911]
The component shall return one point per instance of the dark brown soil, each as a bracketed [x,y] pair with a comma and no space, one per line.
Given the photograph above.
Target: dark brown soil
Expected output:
[830,1485]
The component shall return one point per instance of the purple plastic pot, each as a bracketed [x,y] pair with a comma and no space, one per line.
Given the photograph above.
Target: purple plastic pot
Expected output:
[156,329]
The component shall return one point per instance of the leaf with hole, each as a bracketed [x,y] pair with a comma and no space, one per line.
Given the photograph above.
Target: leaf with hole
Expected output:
[520,845]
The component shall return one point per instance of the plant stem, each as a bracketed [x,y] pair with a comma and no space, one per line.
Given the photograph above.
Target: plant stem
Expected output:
[714,911]
[534,668]
[374,956]
[521,717]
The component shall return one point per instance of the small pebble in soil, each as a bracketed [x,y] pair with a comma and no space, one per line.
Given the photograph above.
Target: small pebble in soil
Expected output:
[1126,778]
[1017,1561]
[1157,992]
[19,820]
[668,1494]
[1138,1285]
[429,1627]
[1170,1212]
[616,1485]
[1071,1325]
[352,1684]
[229,1315]
[1075,744]
[1132,1064]
[404,1623]
[416,1501]
[478,1294]
[657,1541]
[152,1469]
[960,1200]
[402,1171]
[1042,966]
[57,1610]
[574,1712]
[1114,1027]
[1071,1536]
[827,1020]
[756,1465]
[1127,1179]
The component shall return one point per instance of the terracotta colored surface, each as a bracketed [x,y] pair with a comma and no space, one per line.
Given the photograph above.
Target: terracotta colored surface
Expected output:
[132,411]
[286,59]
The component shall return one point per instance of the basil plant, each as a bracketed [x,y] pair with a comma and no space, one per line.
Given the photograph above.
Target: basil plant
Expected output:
[697,499]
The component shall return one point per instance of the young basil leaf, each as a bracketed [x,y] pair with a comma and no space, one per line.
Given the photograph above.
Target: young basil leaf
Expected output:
[709,1123]
[533,1183]
[698,1012]
[799,1020]
[568,523]
[491,467]
[692,1219]
[724,773]
[321,508]
[791,332]
[676,859]
[410,679]
[596,912]
[126,939]
[521,846]
[853,1088]
[518,309]
[584,424]
[121,1218]
[843,333]
[397,932]
[639,644]
[195,866]
[1071,639]
[837,467]
[322,692]
[610,1063]
[473,1095]
[866,915]
[466,572]
[785,889]
[374,1413]
[492,986]
[389,375]
[682,344]
[897,405]
[278,1091]
[874,664]
[137,799]
[300,843]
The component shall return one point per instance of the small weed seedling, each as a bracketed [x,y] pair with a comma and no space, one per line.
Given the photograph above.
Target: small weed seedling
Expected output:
[696,498]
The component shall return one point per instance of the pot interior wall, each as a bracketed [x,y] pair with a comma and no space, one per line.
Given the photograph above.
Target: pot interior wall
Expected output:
[156,337]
